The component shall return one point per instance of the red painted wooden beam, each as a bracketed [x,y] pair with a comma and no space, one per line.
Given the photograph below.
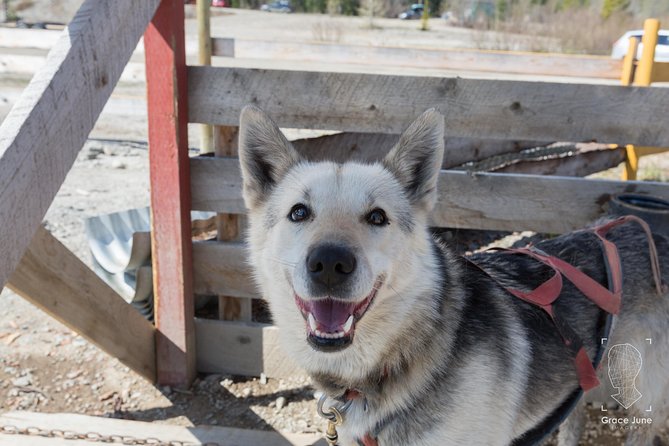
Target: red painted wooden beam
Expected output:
[170,194]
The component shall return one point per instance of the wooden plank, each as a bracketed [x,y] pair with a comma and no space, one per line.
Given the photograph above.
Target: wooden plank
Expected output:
[645,151]
[661,72]
[369,147]
[42,135]
[230,308]
[514,62]
[492,201]
[242,348]
[170,194]
[203,8]
[138,430]
[220,268]
[479,108]
[216,185]
[51,277]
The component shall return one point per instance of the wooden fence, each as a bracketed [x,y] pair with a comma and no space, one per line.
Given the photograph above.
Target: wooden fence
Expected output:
[378,104]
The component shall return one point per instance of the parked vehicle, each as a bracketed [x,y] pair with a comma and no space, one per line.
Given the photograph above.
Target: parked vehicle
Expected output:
[413,13]
[661,49]
[277,6]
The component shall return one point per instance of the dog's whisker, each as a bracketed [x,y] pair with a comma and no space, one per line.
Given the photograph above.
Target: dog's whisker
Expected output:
[282,261]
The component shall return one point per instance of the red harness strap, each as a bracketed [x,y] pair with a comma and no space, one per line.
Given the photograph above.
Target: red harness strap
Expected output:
[608,300]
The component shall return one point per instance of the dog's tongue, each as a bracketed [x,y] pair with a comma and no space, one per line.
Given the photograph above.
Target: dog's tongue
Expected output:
[330,314]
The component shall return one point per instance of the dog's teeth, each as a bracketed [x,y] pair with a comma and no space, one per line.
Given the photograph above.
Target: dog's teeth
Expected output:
[312,323]
[348,325]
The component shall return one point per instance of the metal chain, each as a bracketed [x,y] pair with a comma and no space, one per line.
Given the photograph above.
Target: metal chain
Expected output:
[94,437]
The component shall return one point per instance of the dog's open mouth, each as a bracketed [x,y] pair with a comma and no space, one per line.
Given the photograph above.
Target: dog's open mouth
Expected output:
[331,322]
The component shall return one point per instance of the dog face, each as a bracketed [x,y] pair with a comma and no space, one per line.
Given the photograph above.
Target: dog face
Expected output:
[329,243]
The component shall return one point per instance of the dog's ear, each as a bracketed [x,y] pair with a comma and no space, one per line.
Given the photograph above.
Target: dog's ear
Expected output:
[265,155]
[416,158]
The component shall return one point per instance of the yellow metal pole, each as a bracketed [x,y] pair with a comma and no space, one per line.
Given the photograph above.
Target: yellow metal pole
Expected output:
[643,77]
[644,72]
[631,163]
[204,58]
[627,75]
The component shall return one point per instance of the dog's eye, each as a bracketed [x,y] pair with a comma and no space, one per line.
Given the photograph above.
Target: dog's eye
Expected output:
[377,217]
[299,212]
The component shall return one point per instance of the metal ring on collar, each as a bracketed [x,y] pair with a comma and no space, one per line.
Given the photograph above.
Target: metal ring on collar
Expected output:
[333,413]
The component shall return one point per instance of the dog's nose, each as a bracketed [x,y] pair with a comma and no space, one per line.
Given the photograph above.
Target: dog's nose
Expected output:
[330,265]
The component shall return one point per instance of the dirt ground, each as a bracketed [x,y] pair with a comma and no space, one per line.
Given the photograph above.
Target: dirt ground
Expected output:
[46,367]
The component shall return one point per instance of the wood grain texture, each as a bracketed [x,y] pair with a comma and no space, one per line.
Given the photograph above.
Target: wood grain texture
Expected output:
[473,108]
[51,277]
[220,268]
[165,433]
[170,194]
[660,72]
[42,135]
[492,201]
[242,348]
[438,58]
[230,308]
[216,185]
[369,147]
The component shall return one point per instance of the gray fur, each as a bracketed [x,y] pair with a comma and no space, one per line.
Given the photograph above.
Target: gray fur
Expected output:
[443,356]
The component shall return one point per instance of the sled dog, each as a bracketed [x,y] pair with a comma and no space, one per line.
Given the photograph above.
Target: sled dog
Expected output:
[418,345]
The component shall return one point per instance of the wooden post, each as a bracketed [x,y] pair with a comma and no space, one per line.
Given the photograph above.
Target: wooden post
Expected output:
[204,58]
[229,228]
[644,74]
[170,194]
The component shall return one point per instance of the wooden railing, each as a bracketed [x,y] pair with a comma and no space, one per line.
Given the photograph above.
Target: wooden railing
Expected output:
[378,104]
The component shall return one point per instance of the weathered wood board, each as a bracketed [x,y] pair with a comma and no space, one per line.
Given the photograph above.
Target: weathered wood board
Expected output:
[491,109]
[512,202]
[220,268]
[241,348]
[51,277]
[165,433]
[42,135]
[369,147]
[515,62]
